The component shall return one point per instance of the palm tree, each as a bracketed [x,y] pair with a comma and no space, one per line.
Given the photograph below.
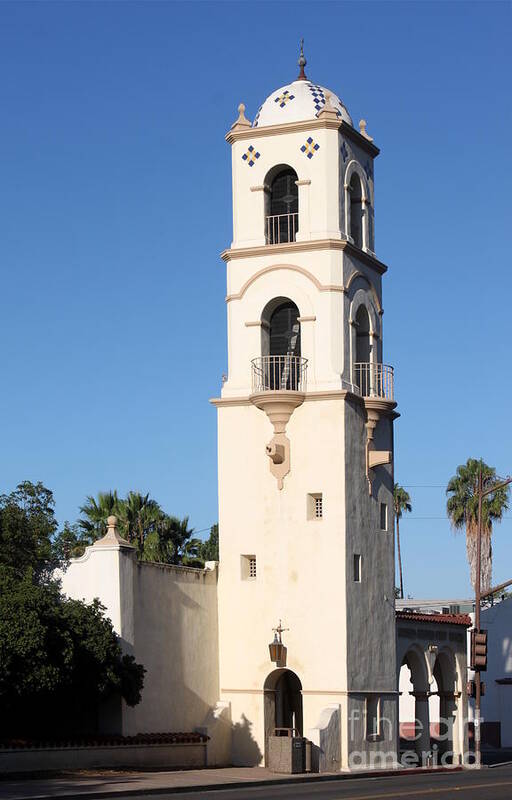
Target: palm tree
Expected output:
[172,543]
[462,510]
[96,512]
[138,517]
[401,503]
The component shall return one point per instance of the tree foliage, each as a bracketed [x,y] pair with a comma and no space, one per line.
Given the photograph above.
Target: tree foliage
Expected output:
[157,536]
[210,548]
[401,504]
[462,510]
[59,658]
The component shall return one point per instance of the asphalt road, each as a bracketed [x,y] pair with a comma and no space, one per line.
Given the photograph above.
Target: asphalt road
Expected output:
[487,784]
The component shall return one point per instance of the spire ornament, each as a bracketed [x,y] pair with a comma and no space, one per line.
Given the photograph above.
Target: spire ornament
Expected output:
[302,62]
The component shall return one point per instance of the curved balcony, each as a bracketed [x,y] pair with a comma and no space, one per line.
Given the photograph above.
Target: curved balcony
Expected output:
[279,374]
[374,380]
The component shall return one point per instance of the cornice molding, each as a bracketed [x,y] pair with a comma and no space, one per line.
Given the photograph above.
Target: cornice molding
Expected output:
[288,127]
[300,247]
[328,394]
[347,130]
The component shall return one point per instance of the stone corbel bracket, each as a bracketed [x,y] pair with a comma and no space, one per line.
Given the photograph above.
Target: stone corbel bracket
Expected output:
[278,406]
[375,409]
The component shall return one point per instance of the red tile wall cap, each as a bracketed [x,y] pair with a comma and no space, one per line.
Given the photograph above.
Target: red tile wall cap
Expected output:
[447,619]
[99,740]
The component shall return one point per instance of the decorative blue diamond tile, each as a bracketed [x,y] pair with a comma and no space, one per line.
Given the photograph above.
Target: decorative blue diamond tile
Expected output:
[284,98]
[251,156]
[344,152]
[310,147]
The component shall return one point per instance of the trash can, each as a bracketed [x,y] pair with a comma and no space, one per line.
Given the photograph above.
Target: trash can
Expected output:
[286,751]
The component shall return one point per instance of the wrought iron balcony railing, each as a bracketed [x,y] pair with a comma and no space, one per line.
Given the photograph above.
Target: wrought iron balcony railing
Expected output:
[281,228]
[374,380]
[279,373]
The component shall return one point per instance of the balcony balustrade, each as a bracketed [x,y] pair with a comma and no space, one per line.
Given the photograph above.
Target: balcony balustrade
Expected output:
[279,373]
[374,380]
[281,228]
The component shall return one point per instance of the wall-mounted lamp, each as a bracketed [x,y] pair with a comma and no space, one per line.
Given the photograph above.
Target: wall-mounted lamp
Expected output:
[276,648]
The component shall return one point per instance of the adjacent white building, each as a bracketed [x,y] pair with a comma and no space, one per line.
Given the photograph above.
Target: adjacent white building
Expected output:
[496,708]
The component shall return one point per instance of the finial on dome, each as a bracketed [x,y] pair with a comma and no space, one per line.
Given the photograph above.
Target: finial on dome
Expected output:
[302,62]
[328,111]
[242,121]
[362,130]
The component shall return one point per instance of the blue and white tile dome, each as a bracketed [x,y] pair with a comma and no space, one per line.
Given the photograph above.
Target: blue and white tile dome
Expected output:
[300,100]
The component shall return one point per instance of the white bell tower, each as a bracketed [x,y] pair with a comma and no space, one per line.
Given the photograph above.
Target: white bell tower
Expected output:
[305,438]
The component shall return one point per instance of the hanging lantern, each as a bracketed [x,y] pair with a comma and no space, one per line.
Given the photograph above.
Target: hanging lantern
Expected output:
[276,648]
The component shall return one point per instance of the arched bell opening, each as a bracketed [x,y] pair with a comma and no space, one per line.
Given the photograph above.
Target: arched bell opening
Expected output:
[282,205]
[282,704]
[281,361]
[362,371]
[356,210]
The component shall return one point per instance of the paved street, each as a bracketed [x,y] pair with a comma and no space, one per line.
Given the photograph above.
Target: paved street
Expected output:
[489,784]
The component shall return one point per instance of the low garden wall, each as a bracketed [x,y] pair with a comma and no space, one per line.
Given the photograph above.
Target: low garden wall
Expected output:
[169,751]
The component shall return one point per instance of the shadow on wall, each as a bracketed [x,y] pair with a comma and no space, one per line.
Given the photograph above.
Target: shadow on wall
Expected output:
[245,748]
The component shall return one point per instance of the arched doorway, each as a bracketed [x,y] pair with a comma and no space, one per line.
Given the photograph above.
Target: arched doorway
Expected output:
[445,675]
[413,683]
[283,703]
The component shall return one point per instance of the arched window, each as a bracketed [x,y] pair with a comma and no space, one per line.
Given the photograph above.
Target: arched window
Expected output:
[362,375]
[280,345]
[284,334]
[356,210]
[282,214]
[362,335]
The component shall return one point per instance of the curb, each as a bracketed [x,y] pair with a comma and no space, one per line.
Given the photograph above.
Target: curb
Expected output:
[218,787]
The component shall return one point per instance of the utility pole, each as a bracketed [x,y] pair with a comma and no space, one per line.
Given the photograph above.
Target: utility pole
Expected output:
[478,598]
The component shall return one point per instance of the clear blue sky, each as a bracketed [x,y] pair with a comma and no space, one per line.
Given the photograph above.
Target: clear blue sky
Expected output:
[115,201]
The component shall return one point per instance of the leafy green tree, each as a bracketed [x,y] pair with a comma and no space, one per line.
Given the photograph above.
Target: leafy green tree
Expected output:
[27,530]
[210,548]
[401,504]
[95,513]
[59,658]
[462,510]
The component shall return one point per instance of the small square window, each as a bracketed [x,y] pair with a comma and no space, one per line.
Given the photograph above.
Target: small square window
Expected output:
[248,567]
[372,717]
[357,568]
[383,516]
[318,506]
[315,506]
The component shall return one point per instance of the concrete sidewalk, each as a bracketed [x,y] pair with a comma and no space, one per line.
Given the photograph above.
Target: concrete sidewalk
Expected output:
[105,783]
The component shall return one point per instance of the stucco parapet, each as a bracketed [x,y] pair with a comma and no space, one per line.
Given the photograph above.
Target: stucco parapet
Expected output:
[179,569]
[343,127]
[231,254]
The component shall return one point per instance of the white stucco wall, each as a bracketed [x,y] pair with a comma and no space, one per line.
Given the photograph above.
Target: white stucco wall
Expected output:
[167,618]
[497,701]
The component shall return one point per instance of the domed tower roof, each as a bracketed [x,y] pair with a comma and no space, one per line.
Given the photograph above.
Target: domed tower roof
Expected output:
[298,101]
[295,102]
